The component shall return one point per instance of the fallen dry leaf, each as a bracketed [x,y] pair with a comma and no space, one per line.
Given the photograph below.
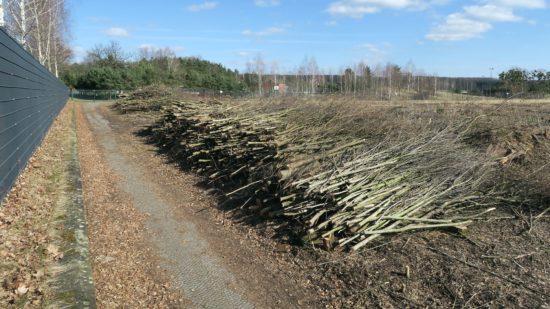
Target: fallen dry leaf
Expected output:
[21,290]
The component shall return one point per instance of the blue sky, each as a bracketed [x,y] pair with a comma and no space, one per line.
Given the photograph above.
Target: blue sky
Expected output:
[443,37]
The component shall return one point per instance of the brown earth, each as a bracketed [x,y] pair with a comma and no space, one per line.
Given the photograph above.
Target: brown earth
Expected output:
[499,262]
[125,270]
[267,278]
[503,261]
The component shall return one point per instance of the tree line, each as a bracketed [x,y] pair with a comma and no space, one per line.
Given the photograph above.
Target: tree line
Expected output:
[380,81]
[520,81]
[41,27]
[108,67]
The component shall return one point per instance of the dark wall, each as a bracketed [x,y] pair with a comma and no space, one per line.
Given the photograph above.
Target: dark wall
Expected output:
[30,99]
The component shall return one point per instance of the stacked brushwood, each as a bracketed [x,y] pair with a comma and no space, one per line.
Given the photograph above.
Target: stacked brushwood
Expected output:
[344,190]
[234,152]
[150,98]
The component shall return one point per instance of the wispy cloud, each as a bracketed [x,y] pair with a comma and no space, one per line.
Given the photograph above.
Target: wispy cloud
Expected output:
[376,52]
[79,53]
[457,27]
[203,6]
[265,32]
[525,4]
[475,20]
[360,8]
[99,19]
[491,12]
[267,3]
[376,48]
[117,32]
[155,48]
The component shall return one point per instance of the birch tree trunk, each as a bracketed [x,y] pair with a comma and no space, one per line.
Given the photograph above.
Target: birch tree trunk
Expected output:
[23,22]
[2,21]
[40,27]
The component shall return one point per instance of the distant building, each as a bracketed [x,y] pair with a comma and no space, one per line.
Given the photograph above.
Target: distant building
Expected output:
[280,88]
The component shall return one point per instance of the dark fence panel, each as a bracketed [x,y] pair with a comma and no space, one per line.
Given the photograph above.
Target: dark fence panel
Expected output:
[30,99]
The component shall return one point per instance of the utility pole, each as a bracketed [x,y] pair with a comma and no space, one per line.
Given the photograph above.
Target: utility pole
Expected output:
[389,91]
[491,86]
[435,85]
[355,83]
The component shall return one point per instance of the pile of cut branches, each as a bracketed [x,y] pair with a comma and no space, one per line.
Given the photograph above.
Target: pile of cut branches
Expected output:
[150,98]
[344,190]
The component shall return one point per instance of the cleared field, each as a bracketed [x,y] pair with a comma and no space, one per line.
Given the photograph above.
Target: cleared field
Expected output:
[465,185]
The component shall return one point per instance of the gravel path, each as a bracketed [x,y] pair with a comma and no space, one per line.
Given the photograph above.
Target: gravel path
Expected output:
[201,278]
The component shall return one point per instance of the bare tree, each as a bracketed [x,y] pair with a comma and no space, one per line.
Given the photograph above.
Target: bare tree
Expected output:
[313,72]
[40,26]
[17,21]
[259,68]
[410,71]
[2,22]
[166,57]
[106,55]
[275,70]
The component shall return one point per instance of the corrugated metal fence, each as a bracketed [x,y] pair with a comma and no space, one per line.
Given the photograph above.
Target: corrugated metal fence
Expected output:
[30,99]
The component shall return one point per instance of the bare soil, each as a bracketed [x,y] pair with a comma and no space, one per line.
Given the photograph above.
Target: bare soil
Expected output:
[503,261]
[126,271]
[263,271]
[129,266]
[500,262]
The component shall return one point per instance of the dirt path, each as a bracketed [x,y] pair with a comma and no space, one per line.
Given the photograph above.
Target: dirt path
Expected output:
[208,265]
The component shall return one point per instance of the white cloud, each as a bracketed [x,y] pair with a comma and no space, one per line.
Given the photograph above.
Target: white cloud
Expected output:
[331,23]
[265,32]
[203,6]
[360,8]
[376,52]
[475,20]
[117,32]
[376,48]
[267,3]
[525,4]
[491,12]
[458,27]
